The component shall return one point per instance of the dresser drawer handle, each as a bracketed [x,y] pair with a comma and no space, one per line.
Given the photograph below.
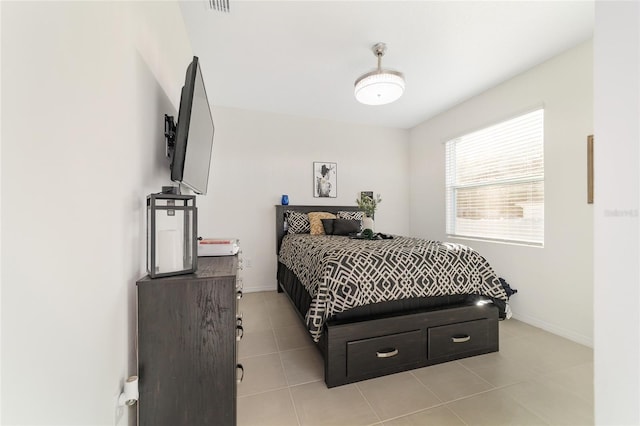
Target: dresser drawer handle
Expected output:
[460,339]
[239,294]
[239,332]
[387,353]
[241,368]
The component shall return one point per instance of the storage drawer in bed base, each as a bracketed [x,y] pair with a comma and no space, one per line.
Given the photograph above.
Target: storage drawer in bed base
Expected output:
[360,350]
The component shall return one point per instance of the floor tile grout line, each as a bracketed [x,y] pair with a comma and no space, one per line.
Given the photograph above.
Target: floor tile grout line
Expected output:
[257,355]
[451,410]
[532,411]
[566,389]
[369,404]
[294,385]
[476,374]
[448,403]
[473,394]
[515,401]
[425,386]
[441,404]
[293,403]
[263,391]
[466,396]
[275,339]
[569,389]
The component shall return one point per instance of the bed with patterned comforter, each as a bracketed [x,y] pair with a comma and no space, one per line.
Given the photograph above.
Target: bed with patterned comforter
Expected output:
[340,273]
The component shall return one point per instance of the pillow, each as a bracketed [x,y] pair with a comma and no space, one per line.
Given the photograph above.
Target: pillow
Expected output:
[350,215]
[359,215]
[328,226]
[346,226]
[297,223]
[315,219]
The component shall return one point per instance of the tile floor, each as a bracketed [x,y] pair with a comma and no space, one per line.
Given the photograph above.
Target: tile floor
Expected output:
[537,378]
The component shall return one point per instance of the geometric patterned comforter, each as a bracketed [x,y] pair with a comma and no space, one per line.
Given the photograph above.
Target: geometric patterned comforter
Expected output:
[342,273]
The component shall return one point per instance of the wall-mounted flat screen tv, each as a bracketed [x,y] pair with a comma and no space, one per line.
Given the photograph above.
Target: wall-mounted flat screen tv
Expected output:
[190,154]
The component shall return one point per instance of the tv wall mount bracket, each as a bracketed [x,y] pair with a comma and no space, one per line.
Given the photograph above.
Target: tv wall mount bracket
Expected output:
[169,134]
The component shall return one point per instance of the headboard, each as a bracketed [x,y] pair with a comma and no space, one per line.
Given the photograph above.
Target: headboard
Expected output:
[280,210]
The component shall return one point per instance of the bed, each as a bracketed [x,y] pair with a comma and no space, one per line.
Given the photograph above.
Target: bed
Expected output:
[377,307]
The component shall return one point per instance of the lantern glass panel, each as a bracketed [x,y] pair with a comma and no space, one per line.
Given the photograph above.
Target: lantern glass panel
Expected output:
[171,235]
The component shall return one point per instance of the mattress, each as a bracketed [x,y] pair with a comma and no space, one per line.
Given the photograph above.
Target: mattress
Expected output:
[342,275]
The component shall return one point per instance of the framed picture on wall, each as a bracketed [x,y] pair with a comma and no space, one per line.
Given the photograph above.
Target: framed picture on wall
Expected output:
[325,179]
[366,194]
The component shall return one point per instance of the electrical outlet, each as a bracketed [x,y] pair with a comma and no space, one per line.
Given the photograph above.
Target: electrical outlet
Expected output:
[247,262]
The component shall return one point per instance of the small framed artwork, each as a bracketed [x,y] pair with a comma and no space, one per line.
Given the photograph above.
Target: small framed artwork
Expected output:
[366,194]
[325,179]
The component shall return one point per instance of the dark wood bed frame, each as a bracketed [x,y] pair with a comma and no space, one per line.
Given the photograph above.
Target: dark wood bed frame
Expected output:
[362,349]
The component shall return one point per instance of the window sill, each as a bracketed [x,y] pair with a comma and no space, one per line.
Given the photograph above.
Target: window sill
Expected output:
[489,240]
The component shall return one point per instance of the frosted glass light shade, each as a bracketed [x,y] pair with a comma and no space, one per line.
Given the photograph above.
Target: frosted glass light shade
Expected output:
[379,87]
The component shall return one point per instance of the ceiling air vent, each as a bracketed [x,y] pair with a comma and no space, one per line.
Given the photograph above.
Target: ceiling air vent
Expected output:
[219,5]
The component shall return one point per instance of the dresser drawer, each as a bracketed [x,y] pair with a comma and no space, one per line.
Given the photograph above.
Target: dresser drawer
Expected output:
[460,338]
[384,353]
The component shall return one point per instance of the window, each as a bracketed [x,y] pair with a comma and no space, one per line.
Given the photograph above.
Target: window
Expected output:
[495,182]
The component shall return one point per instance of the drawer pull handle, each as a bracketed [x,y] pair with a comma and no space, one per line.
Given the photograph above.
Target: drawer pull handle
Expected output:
[239,294]
[387,353]
[241,368]
[460,339]
[239,332]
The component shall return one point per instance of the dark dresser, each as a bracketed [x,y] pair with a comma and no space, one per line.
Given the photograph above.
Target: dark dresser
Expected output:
[187,355]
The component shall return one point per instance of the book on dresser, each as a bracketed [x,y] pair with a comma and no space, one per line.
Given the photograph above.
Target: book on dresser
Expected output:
[187,354]
[218,246]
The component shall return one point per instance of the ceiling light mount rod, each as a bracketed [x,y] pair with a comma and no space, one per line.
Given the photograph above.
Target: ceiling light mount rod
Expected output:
[380,86]
[378,50]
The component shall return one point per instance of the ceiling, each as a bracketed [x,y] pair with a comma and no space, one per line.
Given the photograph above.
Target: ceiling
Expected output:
[303,57]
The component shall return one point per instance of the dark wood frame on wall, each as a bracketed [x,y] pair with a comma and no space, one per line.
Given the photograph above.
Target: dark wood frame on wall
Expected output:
[590,169]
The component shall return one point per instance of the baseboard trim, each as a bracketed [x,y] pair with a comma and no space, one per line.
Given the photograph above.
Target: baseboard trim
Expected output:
[551,328]
[256,289]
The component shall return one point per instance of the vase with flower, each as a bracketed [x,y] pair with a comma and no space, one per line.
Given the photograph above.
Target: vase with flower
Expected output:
[368,204]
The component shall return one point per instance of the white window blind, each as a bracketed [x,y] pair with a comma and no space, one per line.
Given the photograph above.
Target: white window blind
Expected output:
[495,181]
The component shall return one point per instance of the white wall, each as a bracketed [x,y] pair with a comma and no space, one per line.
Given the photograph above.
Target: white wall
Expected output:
[617,187]
[259,156]
[555,283]
[84,90]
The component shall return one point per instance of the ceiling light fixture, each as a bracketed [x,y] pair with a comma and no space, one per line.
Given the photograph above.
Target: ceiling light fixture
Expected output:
[381,86]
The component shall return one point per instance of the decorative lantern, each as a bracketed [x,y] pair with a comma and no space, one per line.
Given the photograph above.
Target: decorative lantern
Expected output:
[171,234]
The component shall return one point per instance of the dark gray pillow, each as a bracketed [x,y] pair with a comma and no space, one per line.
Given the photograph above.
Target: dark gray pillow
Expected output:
[327,224]
[345,226]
